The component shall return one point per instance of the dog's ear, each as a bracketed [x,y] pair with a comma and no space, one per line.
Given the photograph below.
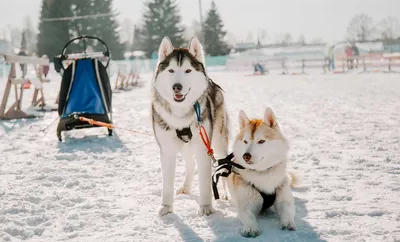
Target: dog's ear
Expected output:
[243,119]
[165,49]
[196,49]
[269,117]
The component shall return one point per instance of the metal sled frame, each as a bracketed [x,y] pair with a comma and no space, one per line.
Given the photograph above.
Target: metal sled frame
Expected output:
[72,121]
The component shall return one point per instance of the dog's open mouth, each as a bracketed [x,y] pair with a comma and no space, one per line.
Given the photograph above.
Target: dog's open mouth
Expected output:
[178,97]
[249,162]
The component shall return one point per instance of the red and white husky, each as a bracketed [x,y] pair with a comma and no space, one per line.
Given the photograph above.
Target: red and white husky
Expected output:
[262,149]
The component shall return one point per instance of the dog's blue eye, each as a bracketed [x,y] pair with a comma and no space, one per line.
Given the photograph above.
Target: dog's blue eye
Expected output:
[261,141]
[171,71]
[245,141]
[188,71]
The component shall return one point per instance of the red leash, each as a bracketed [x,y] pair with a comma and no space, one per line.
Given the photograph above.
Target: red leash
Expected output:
[203,133]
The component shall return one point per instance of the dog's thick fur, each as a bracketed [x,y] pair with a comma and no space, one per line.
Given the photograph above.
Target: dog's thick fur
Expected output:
[181,81]
[266,169]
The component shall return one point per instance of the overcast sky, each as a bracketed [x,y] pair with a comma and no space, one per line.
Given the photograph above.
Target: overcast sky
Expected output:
[326,19]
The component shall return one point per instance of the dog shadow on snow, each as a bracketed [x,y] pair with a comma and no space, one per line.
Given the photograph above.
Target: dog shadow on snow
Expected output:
[229,228]
[91,143]
[187,233]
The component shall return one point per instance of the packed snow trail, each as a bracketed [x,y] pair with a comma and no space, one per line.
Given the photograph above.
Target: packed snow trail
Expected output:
[344,132]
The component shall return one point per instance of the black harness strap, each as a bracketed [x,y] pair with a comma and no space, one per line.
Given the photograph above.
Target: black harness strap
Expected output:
[268,199]
[184,134]
[228,164]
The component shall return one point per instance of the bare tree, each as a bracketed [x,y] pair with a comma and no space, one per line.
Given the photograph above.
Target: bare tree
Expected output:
[262,37]
[361,28]
[287,39]
[301,40]
[389,28]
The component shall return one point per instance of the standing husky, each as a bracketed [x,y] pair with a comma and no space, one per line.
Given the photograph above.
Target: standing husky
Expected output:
[180,82]
[261,149]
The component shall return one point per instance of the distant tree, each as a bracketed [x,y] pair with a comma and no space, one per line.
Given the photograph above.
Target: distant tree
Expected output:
[360,28]
[301,40]
[287,39]
[160,18]
[23,40]
[389,28]
[214,33]
[103,27]
[53,34]
[262,37]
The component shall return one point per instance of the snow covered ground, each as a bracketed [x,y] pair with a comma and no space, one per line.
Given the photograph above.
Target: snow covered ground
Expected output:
[345,144]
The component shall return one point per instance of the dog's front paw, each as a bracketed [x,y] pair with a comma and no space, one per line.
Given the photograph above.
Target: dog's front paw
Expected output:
[183,190]
[288,225]
[205,210]
[251,231]
[164,210]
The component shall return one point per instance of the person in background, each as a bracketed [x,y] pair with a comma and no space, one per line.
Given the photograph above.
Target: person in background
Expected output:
[356,53]
[45,67]
[331,58]
[349,54]
[258,69]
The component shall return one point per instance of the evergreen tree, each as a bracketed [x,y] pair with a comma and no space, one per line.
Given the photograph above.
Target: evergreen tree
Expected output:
[103,27]
[53,34]
[214,33]
[107,27]
[161,18]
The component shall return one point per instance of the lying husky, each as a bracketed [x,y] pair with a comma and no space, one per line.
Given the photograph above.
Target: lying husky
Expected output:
[181,82]
[261,150]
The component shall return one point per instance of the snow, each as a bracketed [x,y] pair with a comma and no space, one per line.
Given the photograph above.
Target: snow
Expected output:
[345,138]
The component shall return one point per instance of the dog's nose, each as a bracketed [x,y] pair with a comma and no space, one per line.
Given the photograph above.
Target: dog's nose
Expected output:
[177,87]
[246,157]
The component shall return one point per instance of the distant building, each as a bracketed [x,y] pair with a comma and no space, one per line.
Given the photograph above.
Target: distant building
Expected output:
[391,46]
[245,46]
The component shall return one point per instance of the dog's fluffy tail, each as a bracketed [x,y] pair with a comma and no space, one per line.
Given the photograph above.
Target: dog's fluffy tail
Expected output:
[294,179]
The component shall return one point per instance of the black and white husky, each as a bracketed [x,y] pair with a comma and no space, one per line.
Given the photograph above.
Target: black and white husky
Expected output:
[180,83]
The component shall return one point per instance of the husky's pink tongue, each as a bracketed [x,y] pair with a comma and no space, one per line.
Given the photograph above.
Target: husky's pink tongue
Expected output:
[178,96]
